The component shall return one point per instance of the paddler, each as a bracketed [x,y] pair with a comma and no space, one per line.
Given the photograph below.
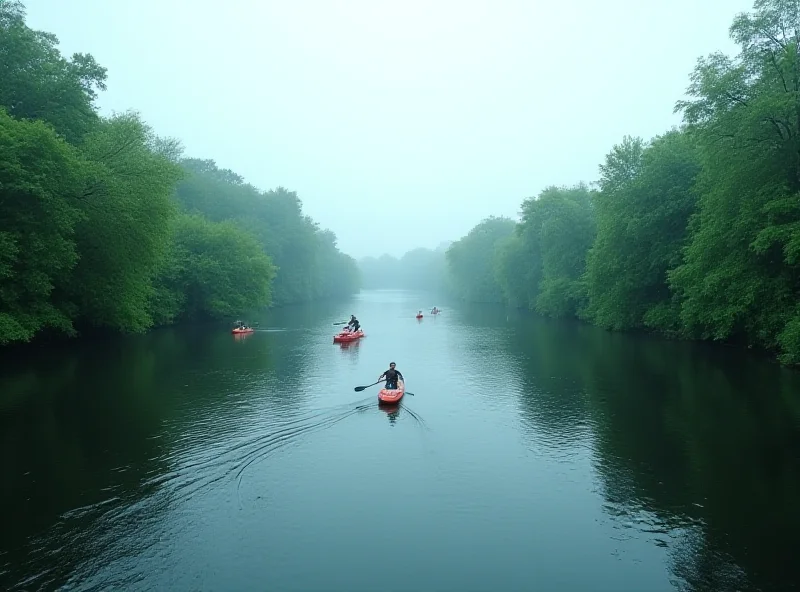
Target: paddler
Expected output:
[354,323]
[391,375]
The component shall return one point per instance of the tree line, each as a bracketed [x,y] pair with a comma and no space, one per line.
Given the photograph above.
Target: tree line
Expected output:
[692,234]
[418,269]
[103,223]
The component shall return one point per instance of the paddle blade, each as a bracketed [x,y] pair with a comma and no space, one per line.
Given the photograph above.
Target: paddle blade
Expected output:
[412,394]
[358,389]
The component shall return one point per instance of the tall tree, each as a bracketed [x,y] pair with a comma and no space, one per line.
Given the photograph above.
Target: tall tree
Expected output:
[38,83]
[470,261]
[646,198]
[88,206]
[213,269]
[741,278]
[42,180]
[302,252]
[125,230]
[562,220]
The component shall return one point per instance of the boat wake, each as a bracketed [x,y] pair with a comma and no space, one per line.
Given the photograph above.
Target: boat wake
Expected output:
[192,463]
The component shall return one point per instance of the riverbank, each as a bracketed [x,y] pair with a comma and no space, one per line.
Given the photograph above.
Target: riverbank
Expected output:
[692,233]
[109,225]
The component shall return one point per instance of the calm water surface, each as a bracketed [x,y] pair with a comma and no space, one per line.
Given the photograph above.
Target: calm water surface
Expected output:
[534,455]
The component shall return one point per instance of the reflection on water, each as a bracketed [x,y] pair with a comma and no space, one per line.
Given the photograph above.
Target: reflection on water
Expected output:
[695,448]
[391,411]
[534,454]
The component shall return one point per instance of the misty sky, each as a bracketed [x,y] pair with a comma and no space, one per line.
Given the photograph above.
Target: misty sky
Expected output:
[399,124]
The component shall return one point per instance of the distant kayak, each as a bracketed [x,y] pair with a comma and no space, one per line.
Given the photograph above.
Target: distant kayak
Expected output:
[392,396]
[419,316]
[348,336]
[242,327]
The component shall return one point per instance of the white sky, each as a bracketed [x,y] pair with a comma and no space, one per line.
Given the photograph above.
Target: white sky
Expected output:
[399,124]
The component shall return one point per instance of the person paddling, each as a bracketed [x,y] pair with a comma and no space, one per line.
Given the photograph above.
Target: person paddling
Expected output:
[354,324]
[392,374]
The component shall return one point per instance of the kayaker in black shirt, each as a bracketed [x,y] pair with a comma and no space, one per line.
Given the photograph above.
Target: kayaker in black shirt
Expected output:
[354,324]
[391,376]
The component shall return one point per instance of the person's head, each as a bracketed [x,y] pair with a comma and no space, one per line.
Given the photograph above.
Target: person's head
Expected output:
[392,365]
[352,317]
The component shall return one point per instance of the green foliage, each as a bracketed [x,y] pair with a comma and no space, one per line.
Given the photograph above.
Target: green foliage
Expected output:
[103,223]
[38,83]
[309,264]
[337,274]
[518,270]
[789,340]
[695,233]
[213,269]
[125,230]
[541,266]
[562,222]
[470,261]
[740,276]
[643,208]
[41,182]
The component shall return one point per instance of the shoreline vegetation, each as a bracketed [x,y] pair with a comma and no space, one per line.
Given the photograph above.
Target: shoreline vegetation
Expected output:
[694,234]
[105,225]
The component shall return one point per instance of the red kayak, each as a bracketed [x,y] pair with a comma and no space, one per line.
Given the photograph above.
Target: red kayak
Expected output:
[240,331]
[392,396]
[348,336]
[419,316]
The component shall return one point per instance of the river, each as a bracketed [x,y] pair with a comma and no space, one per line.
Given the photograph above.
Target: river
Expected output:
[534,454]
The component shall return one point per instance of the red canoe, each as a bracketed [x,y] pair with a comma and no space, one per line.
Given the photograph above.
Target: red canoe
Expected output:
[347,336]
[240,331]
[392,396]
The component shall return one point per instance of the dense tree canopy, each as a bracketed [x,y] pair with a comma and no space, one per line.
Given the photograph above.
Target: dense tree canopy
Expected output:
[309,265]
[695,233]
[38,83]
[643,209]
[470,261]
[38,216]
[212,269]
[103,223]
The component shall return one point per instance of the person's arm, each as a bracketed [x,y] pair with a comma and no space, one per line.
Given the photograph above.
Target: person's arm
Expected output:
[400,374]
[381,376]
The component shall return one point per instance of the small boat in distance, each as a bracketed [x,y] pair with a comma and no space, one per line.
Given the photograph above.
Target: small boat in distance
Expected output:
[240,327]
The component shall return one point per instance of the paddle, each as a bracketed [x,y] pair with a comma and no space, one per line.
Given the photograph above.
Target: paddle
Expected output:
[342,323]
[358,389]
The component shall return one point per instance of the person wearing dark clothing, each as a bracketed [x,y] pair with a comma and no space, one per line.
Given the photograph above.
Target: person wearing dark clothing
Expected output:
[392,374]
[354,325]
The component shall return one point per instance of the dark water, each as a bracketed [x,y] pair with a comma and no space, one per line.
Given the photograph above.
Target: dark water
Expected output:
[534,455]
